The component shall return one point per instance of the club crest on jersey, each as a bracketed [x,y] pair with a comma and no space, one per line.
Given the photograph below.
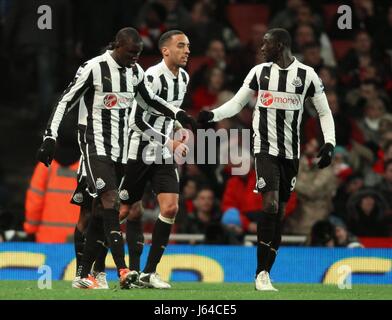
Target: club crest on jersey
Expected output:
[124,195]
[297,82]
[266,99]
[261,183]
[110,100]
[100,183]
[78,197]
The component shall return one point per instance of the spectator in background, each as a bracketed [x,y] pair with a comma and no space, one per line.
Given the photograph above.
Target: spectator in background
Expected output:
[50,216]
[177,15]
[369,125]
[322,234]
[240,199]
[367,214]
[286,18]
[205,215]
[249,55]
[384,35]
[347,131]
[340,164]
[215,57]
[332,232]
[206,96]
[202,28]
[357,98]
[153,27]
[312,56]
[363,62]
[315,189]
[37,56]
[342,236]
[353,184]
[384,154]
[190,187]
[304,34]
[385,186]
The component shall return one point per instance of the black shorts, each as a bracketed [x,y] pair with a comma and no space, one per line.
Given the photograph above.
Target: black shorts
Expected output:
[276,174]
[163,177]
[103,174]
[81,197]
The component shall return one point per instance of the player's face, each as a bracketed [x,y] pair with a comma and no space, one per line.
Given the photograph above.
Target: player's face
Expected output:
[178,49]
[129,52]
[269,49]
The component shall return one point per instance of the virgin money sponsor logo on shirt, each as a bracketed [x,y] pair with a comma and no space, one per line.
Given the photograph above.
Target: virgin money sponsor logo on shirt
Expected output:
[280,100]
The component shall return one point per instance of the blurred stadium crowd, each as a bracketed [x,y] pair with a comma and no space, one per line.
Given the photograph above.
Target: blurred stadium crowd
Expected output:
[332,207]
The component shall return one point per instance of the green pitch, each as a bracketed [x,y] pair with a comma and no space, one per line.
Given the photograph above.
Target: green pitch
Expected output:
[61,290]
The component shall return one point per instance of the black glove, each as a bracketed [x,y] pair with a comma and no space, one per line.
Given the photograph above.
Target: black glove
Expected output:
[45,153]
[185,119]
[325,155]
[205,116]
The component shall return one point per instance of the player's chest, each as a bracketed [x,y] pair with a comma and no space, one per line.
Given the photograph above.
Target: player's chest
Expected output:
[114,89]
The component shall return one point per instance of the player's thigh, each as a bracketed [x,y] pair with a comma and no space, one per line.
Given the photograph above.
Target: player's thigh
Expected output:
[267,173]
[137,174]
[165,179]
[288,178]
[101,175]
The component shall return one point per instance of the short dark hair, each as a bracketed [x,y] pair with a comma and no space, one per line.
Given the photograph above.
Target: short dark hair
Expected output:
[128,33]
[166,36]
[281,35]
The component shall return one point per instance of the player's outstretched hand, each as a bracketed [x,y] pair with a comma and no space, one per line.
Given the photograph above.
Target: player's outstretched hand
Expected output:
[325,155]
[46,151]
[186,119]
[205,116]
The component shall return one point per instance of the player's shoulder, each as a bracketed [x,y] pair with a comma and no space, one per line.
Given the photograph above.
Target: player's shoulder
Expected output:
[308,69]
[138,71]
[89,64]
[260,66]
[184,75]
[96,60]
[155,70]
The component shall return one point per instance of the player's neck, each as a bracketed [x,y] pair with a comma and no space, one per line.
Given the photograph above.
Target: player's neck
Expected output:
[174,68]
[285,60]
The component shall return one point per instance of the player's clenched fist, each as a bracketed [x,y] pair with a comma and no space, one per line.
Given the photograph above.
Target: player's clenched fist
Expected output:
[46,151]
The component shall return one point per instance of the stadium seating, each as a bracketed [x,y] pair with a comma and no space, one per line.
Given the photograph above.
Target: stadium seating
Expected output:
[329,13]
[243,16]
[341,48]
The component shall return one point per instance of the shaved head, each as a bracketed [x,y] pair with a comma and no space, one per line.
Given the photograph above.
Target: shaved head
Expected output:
[126,34]
[282,36]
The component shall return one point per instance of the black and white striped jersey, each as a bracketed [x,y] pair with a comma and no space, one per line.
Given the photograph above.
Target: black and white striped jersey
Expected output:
[278,111]
[105,92]
[149,129]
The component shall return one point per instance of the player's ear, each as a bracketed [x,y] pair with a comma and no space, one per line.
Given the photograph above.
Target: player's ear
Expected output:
[165,51]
